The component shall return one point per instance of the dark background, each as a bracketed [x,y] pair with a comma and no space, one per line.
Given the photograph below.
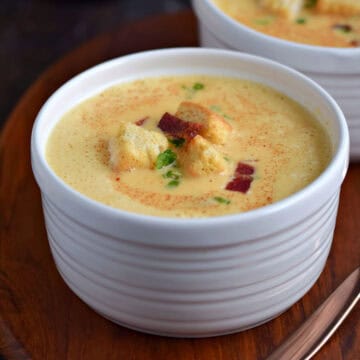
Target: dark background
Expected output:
[36,33]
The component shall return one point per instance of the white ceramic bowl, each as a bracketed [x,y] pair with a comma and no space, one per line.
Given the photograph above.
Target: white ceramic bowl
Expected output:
[336,69]
[191,277]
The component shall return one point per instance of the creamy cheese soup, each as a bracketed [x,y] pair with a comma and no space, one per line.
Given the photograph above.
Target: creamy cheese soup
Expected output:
[265,147]
[309,26]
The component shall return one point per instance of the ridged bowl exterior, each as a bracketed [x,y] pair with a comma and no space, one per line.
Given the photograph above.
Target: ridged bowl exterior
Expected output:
[345,89]
[191,291]
[190,277]
[336,70]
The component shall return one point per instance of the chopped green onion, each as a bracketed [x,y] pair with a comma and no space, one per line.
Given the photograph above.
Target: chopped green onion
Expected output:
[218,110]
[173,183]
[215,108]
[264,21]
[310,3]
[198,86]
[177,142]
[301,21]
[222,200]
[165,158]
[172,174]
[192,90]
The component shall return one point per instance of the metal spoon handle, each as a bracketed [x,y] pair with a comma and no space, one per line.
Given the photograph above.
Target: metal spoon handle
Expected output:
[317,329]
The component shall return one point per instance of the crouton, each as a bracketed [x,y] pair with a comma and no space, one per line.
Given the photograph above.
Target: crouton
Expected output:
[215,128]
[285,8]
[200,157]
[341,7]
[135,147]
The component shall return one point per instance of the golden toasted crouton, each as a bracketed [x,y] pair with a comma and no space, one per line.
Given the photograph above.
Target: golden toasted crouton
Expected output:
[341,7]
[215,128]
[285,8]
[200,157]
[135,147]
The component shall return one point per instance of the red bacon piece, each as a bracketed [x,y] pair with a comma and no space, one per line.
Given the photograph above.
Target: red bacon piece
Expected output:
[244,169]
[178,128]
[140,122]
[241,183]
[242,178]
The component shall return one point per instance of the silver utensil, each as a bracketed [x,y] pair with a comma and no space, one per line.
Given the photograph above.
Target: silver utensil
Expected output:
[306,341]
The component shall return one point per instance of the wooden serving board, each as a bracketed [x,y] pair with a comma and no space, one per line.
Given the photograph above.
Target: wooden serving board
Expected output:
[40,318]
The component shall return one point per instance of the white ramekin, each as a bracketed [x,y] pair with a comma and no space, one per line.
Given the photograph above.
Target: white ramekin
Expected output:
[336,69]
[191,277]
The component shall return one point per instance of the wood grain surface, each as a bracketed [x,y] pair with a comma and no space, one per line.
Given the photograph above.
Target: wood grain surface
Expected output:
[40,318]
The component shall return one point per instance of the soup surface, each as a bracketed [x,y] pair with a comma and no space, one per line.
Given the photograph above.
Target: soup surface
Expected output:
[274,147]
[309,26]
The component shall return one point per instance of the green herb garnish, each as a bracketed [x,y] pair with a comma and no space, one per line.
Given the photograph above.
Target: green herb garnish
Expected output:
[172,174]
[222,200]
[173,183]
[215,108]
[227,116]
[191,90]
[165,158]
[265,21]
[177,142]
[310,3]
[198,86]
[218,110]
[167,161]
[301,21]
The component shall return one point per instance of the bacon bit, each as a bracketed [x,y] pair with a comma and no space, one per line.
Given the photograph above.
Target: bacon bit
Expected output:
[343,27]
[355,43]
[117,179]
[244,169]
[178,128]
[140,122]
[242,178]
[240,183]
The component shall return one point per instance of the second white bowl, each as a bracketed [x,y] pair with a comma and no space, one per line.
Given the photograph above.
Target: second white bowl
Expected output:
[336,69]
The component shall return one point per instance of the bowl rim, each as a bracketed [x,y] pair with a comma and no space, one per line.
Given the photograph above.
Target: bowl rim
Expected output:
[328,50]
[338,163]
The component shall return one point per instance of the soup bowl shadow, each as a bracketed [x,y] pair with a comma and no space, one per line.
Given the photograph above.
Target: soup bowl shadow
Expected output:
[336,69]
[201,276]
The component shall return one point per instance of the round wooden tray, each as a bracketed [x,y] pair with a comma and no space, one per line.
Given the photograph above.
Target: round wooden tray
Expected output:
[40,318]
